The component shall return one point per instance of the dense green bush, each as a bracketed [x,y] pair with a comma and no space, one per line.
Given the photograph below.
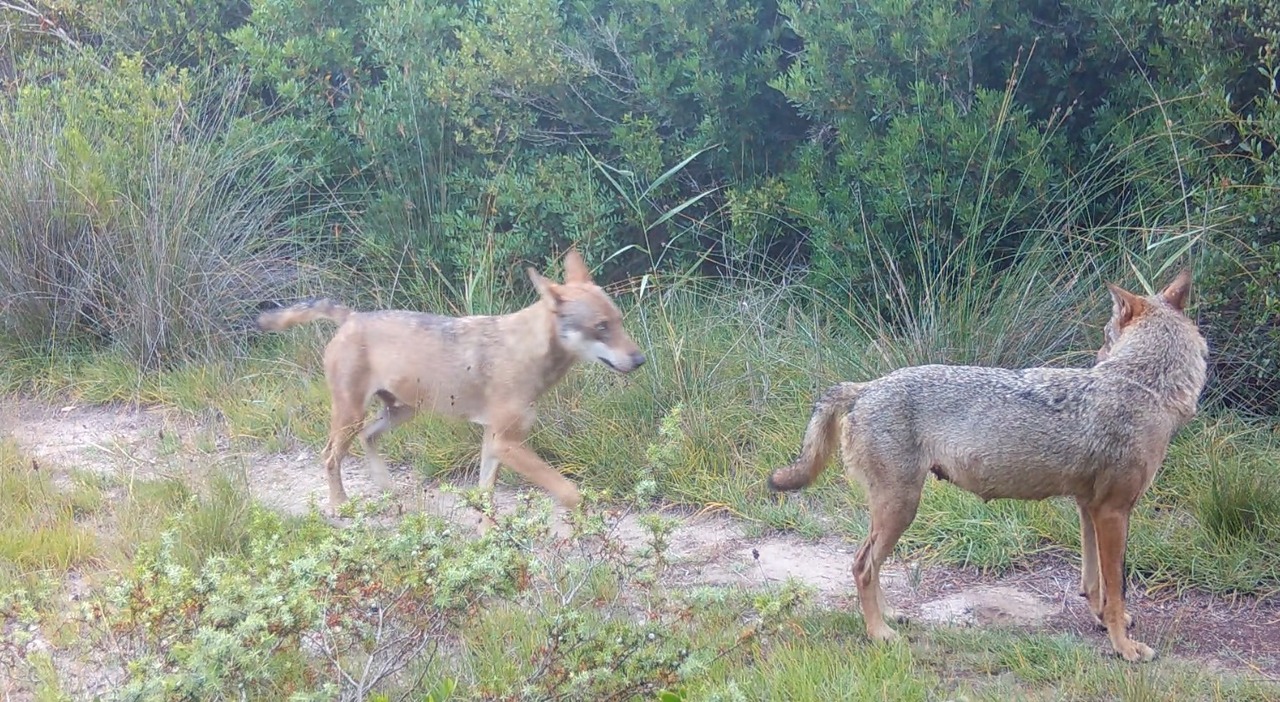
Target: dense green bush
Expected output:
[1228,53]
[465,125]
[466,139]
[1240,302]
[141,216]
[310,612]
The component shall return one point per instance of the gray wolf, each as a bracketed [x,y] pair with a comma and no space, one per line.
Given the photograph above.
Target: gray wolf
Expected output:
[1096,434]
[487,369]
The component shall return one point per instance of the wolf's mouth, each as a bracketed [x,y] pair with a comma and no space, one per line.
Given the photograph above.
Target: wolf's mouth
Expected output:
[608,363]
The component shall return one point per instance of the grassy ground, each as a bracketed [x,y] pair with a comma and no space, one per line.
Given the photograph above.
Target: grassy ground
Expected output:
[724,398]
[184,589]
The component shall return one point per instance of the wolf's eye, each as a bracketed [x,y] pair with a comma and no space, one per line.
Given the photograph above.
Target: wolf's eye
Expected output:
[602,328]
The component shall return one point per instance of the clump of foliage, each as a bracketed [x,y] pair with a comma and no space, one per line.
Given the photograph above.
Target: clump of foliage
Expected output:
[325,614]
[143,213]
[310,611]
[465,140]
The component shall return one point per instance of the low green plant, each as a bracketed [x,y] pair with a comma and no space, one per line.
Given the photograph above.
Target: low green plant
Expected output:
[41,524]
[307,611]
[214,520]
[144,215]
[664,455]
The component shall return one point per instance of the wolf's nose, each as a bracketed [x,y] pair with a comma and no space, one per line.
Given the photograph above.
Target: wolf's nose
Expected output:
[637,360]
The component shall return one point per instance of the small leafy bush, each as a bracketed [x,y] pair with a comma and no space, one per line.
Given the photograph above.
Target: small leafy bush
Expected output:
[307,611]
[144,217]
[330,614]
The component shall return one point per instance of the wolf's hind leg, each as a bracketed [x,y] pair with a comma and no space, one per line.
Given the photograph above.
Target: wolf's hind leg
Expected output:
[893,508]
[343,424]
[488,475]
[1090,578]
[393,414]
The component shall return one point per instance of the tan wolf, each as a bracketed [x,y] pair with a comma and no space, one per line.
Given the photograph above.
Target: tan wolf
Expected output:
[1097,434]
[486,369]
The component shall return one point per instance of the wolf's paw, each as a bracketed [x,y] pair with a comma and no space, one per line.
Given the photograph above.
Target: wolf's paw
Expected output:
[1136,652]
[882,634]
[895,616]
[382,481]
[1128,621]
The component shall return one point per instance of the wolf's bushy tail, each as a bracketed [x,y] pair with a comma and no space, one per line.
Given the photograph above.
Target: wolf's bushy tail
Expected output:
[819,439]
[302,313]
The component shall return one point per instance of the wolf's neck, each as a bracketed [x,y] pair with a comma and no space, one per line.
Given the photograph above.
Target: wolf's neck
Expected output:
[1173,372]
[550,359]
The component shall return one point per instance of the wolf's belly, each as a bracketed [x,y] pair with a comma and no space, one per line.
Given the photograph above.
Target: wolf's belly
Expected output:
[1022,481]
[441,396]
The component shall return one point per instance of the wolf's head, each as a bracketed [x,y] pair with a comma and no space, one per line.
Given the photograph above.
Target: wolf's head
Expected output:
[588,324]
[1160,315]
[1150,341]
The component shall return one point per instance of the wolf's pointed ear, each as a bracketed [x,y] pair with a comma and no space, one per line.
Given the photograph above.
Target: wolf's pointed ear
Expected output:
[1125,305]
[1176,292]
[575,269]
[547,290]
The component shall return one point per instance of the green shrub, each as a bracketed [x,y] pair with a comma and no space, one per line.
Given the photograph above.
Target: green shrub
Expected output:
[1238,296]
[305,61]
[464,125]
[184,33]
[147,217]
[309,611]
[358,602]
[469,139]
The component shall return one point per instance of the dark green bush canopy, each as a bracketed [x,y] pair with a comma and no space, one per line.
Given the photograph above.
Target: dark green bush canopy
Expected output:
[457,141]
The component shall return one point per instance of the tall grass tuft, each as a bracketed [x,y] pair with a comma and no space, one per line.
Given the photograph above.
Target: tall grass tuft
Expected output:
[39,527]
[157,240]
[1238,498]
[1240,503]
[1039,305]
[47,240]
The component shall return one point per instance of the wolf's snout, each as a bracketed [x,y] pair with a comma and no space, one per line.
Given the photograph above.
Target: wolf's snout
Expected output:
[622,362]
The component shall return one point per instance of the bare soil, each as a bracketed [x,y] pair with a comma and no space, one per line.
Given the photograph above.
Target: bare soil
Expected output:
[1242,634]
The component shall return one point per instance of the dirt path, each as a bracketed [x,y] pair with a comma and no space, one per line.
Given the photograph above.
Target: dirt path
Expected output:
[706,549]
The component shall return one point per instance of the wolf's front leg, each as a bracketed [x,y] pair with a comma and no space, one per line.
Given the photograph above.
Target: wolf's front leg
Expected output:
[1111,526]
[506,445]
[488,479]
